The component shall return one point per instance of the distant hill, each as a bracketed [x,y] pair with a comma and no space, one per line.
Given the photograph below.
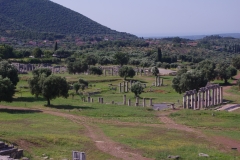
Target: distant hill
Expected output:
[195,37]
[44,16]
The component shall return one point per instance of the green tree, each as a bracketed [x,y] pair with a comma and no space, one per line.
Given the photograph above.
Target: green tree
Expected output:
[208,69]
[137,89]
[6,51]
[36,82]
[236,62]
[53,87]
[155,71]
[189,81]
[55,46]
[126,71]
[37,53]
[77,67]
[159,55]
[90,59]
[121,58]
[76,87]
[7,89]
[9,71]
[47,85]
[82,81]
[95,71]
[225,71]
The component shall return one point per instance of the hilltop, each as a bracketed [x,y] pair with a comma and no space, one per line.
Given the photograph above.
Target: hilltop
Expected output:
[40,18]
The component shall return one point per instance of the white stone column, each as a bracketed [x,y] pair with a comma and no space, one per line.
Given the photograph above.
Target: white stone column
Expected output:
[221,95]
[137,101]
[203,99]
[188,101]
[129,102]
[218,95]
[120,87]
[150,102]
[213,97]
[144,102]
[124,99]
[199,100]
[184,101]
[192,101]
[206,98]
[156,81]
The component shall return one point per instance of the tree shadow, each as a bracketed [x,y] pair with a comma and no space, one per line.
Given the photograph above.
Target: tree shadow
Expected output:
[69,107]
[29,99]
[19,111]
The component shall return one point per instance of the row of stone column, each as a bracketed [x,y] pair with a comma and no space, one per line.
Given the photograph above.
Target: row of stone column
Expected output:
[109,70]
[125,102]
[158,81]
[137,101]
[126,86]
[205,97]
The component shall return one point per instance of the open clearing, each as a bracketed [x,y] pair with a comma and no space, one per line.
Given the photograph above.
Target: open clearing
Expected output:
[106,131]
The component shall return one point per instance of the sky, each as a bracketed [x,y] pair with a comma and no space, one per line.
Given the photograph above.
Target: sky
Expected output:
[146,18]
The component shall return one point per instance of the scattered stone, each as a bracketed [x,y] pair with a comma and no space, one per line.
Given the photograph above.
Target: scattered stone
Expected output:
[203,155]
[173,157]
[25,158]
[45,157]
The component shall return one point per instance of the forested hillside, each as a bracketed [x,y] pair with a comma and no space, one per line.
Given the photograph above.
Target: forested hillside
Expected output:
[48,17]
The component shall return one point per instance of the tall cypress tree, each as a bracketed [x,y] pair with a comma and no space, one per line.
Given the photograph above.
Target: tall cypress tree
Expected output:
[159,55]
[55,46]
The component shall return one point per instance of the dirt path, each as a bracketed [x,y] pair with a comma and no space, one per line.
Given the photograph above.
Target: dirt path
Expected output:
[223,143]
[107,145]
[102,142]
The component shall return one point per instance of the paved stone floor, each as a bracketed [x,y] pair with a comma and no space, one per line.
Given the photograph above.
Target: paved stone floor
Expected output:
[229,107]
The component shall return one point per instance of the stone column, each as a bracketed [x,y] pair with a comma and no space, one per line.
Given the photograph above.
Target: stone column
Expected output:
[137,100]
[184,101]
[159,81]
[203,99]
[156,81]
[126,86]
[99,100]
[89,99]
[92,100]
[124,99]
[112,71]
[221,95]
[218,95]
[188,101]
[192,101]
[130,83]
[102,100]
[199,100]
[120,87]
[144,102]
[208,97]
[150,102]
[129,102]
[213,96]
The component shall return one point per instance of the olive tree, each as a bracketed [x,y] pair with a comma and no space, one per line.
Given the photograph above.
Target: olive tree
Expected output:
[126,71]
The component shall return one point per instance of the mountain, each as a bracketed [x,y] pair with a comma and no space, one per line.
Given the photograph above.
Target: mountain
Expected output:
[44,16]
[195,37]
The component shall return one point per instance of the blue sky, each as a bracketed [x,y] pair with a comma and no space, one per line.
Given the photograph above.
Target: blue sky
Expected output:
[162,17]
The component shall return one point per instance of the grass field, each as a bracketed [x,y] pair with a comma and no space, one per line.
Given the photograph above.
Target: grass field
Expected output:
[136,127]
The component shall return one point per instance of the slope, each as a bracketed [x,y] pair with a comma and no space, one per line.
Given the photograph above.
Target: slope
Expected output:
[47,16]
